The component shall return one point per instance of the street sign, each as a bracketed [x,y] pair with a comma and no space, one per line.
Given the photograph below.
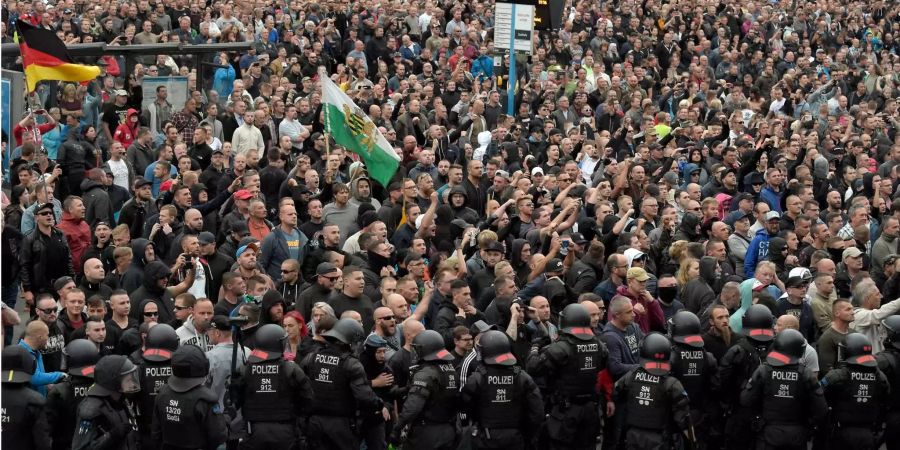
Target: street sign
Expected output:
[513,27]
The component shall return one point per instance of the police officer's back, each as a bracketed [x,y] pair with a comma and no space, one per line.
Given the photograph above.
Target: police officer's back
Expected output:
[858,394]
[501,398]
[693,366]
[889,363]
[651,400]
[273,393]
[570,365]
[24,421]
[785,395]
[187,414]
[154,369]
[736,368]
[105,420]
[431,407]
[63,399]
[342,388]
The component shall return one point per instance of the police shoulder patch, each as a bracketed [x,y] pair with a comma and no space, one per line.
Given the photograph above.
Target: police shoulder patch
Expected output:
[216,409]
[421,383]
[84,427]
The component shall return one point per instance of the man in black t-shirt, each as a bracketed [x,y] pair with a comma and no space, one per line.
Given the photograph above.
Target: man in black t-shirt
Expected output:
[114,114]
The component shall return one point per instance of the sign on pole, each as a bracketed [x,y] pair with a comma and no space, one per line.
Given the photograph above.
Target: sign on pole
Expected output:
[513,26]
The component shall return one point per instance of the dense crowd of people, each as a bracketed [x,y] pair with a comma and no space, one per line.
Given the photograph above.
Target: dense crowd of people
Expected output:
[685,233]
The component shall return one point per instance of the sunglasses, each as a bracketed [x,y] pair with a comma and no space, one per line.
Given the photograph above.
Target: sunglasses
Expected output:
[387,318]
[45,213]
[332,279]
[47,311]
[176,307]
[151,314]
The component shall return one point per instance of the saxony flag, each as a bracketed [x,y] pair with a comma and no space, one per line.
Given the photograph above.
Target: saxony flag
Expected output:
[354,130]
[45,57]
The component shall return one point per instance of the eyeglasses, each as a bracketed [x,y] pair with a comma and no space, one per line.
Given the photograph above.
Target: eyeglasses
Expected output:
[151,314]
[176,307]
[387,318]
[48,311]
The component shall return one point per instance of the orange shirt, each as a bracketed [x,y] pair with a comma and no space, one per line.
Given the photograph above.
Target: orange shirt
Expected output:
[259,230]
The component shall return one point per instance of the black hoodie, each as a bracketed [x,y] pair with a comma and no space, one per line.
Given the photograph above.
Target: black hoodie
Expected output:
[687,230]
[150,290]
[131,279]
[270,299]
[698,293]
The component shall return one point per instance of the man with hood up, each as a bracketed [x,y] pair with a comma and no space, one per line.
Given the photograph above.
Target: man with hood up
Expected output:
[273,308]
[759,246]
[74,158]
[457,200]
[361,192]
[698,294]
[688,229]
[97,204]
[143,252]
[154,288]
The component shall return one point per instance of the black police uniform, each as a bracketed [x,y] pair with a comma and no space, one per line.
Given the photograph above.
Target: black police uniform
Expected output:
[154,369]
[187,414]
[63,398]
[24,421]
[785,395]
[273,393]
[889,363]
[858,394]
[432,405]
[105,419]
[342,389]
[696,369]
[735,370]
[651,400]
[570,365]
[503,400]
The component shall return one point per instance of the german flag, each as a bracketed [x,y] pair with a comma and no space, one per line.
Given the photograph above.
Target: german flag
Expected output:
[45,57]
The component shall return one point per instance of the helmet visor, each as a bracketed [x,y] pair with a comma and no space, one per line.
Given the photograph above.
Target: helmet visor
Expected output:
[130,383]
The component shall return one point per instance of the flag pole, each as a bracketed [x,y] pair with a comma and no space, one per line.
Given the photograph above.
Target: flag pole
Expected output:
[322,75]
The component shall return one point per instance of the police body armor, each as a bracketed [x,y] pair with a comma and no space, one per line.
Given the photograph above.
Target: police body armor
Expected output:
[442,403]
[65,398]
[855,404]
[577,378]
[331,384]
[753,357]
[784,395]
[648,404]
[266,399]
[178,417]
[500,406]
[690,366]
[154,375]
[21,406]
[889,363]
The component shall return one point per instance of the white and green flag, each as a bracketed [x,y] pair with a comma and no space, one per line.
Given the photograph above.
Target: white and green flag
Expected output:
[353,129]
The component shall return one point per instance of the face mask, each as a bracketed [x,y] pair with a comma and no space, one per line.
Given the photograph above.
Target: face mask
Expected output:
[668,294]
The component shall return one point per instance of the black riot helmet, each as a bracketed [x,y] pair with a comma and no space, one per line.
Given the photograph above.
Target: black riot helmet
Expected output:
[189,368]
[892,325]
[269,343]
[495,349]
[81,356]
[856,350]
[684,327]
[788,348]
[429,346]
[575,320]
[162,341]
[115,374]
[655,353]
[18,364]
[345,331]
[758,322]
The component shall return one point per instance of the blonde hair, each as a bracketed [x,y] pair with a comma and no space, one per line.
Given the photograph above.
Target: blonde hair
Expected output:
[678,250]
[684,269]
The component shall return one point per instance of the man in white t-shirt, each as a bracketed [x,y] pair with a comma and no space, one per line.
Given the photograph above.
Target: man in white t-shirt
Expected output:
[123,174]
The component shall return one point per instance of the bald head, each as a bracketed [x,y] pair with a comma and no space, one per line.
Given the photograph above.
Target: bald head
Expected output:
[398,306]
[593,310]
[785,322]
[411,329]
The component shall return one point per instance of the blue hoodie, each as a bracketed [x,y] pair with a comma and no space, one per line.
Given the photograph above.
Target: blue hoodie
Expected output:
[40,379]
[757,251]
[686,174]
[772,198]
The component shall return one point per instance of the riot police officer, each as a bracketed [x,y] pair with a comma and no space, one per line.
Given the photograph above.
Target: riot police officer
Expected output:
[154,370]
[696,369]
[272,393]
[187,414]
[736,368]
[63,399]
[570,365]
[503,400]
[857,393]
[105,420]
[649,398]
[24,421]
[431,407]
[342,388]
[785,395]
[889,363]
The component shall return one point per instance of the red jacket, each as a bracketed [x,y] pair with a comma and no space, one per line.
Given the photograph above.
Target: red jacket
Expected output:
[653,319]
[126,132]
[78,234]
